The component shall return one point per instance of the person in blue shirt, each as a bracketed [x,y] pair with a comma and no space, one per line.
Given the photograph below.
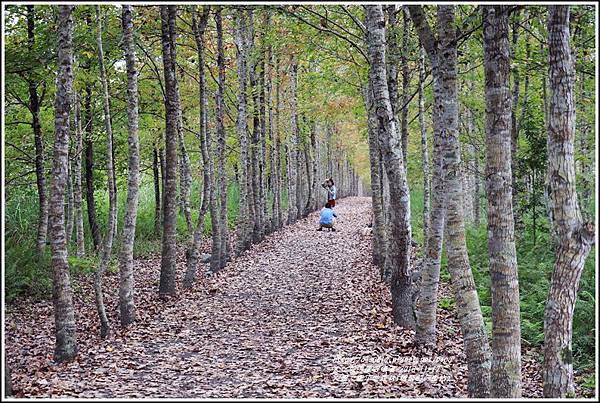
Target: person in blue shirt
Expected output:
[327,219]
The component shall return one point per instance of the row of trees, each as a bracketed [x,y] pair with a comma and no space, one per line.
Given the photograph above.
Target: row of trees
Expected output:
[492,370]
[278,168]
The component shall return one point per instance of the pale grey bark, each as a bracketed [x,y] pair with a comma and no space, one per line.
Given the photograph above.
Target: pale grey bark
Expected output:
[379,224]
[193,252]
[575,237]
[70,216]
[506,325]
[64,315]
[225,247]
[126,276]
[424,147]
[244,225]
[167,284]
[77,189]
[293,146]
[443,53]
[276,169]
[40,170]
[112,197]
[390,145]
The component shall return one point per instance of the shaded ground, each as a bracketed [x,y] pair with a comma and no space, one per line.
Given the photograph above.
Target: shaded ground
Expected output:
[303,314]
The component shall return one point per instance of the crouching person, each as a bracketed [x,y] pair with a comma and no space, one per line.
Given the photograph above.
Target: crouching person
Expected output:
[327,219]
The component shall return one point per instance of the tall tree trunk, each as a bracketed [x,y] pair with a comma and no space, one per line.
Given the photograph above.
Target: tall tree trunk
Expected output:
[157,186]
[389,142]
[244,229]
[424,147]
[77,190]
[40,170]
[506,325]
[193,252]
[126,278]
[379,224]
[514,128]
[89,170]
[575,237]
[276,170]
[112,197]
[167,286]
[405,85]
[442,53]
[64,315]
[185,170]
[220,132]
[70,216]
[293,146]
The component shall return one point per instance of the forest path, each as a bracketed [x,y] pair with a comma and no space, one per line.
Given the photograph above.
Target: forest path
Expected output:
[302,314]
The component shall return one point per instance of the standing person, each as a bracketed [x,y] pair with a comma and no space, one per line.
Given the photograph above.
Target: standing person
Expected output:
[331,191]
[328,217]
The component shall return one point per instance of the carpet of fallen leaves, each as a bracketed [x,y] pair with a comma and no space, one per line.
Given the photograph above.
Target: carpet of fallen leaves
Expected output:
[302,314]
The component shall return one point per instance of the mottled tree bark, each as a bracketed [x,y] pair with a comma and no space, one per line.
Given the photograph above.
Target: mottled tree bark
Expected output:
[77,189]
[424,147]
[389,142]
[70,216]
[40,170]
[167,284]
[293,146]
[379,224]
[276,170]
[157,186]
[198,28]
[89,170]
[220,133]
[442,53]
[126,278]
[64,315]
[575,237]
[506,325]
[112,196]
[405,84]
[514,125]
[244,225]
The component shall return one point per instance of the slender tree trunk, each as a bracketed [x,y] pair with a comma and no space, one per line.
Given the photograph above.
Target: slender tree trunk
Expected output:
[112,197]
[220,132]
[443,53]
[78,192]
[89,170]
[405,85]
[575,237]
[293,146]
[389,142]
[126,278]
[40,170]
[506,326]
[379,224]
[70,216]
[277,212]
[426,304]
[424,147]
[514,122]
[64,315]
[157,198]
[167,286]
[244,230]
[193,252]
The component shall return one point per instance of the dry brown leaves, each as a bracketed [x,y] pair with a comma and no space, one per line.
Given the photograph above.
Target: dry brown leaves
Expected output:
[303,314]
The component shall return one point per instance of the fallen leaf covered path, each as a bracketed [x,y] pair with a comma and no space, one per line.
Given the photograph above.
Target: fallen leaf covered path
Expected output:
[302,314]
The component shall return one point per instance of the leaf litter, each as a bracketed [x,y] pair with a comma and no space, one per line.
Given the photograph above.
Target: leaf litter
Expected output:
[302,314]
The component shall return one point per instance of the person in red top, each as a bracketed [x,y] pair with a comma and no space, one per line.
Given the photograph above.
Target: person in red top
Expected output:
[331,191]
